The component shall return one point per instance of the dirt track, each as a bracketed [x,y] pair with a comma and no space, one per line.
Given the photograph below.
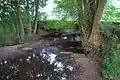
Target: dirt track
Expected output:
[87,69]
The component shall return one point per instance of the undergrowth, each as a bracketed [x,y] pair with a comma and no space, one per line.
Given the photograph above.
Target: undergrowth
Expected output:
[111,62]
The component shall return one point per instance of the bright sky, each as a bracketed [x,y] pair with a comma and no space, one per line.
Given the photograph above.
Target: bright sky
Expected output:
[117,3]
[48,8]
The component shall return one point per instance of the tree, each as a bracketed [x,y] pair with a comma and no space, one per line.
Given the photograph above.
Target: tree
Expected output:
[88,13]
[8,22]
[95,37]
[36,16]
[32,9]
[28,16]
[22,33]
[38,3]
[16,17]
[89,21]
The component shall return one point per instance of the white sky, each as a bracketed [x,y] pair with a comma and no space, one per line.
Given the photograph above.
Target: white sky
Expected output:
[48,9]
[117,3]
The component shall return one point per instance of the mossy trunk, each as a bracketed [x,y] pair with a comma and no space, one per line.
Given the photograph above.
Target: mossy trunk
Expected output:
[95,35]
[36,16]
[22,33]
[28,17]
[89,22]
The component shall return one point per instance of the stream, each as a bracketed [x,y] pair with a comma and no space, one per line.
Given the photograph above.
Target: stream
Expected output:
[42,63]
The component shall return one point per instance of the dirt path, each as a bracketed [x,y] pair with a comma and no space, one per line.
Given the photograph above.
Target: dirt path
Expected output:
[87,69]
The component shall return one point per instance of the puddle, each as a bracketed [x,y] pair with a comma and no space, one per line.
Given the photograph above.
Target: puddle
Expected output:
[40,64]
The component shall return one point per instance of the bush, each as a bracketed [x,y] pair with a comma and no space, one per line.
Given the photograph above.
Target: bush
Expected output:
[111,62]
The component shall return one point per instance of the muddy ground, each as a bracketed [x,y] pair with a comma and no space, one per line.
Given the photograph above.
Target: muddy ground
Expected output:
[84,68]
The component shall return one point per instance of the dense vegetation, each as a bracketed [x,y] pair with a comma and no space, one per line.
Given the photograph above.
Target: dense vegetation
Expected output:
[17,19]
[110,48]
[111,62]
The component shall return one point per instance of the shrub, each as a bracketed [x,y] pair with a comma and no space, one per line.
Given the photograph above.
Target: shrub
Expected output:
[111,62]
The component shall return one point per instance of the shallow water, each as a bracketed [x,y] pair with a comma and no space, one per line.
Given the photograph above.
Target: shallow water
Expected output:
[40,64]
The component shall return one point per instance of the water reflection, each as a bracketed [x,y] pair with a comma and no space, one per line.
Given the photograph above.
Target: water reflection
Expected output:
[40,64]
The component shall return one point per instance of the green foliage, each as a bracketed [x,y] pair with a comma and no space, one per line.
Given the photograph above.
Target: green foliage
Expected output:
[110,13]
[111,62]
[111,29]
[65,8]
[6,35]
[43,16]
[9,22]
[110,21]
[8,30]
[66,13]
[59,25]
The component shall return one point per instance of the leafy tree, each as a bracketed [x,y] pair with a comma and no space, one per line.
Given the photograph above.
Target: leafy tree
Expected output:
[8,21]
[18,15]
[89,13]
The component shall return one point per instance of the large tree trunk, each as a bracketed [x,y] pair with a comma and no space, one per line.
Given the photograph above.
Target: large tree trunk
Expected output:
[36,16]
[22,33]
[89,22]
[28,17]
[95,36]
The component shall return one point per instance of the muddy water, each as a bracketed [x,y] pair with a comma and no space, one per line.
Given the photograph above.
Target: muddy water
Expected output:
[39,64]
